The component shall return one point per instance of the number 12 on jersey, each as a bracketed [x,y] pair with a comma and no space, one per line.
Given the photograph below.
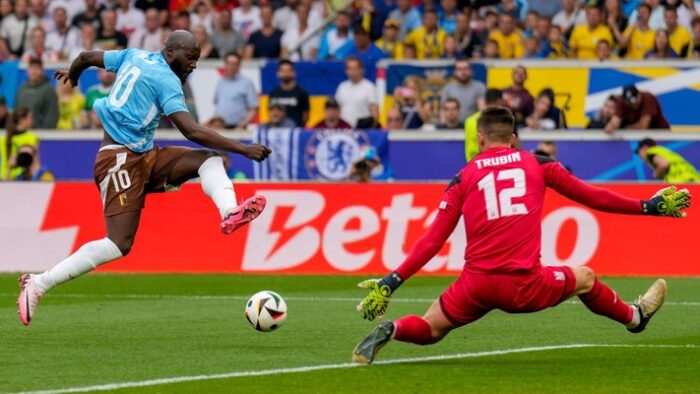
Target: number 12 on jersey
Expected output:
[501,204]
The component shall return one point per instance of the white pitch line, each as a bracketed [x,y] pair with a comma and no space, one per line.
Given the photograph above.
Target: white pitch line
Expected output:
[292,298]
[324,367]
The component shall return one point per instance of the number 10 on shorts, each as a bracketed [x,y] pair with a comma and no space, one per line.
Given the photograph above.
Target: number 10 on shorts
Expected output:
[121,180]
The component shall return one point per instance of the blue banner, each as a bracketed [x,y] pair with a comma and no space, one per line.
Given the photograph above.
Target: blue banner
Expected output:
[322,155]
[317,78]
[432,75]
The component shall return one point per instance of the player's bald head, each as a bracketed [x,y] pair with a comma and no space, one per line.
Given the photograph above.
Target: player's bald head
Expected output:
[181,39]
[496,124]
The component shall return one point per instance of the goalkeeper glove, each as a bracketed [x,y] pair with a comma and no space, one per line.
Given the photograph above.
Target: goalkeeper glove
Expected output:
[667,202]
[374,305]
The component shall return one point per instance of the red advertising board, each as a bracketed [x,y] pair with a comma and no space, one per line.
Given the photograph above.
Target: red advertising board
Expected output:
[327,229]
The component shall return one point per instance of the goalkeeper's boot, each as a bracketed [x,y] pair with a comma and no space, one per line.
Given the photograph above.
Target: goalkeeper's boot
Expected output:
[28,299]
[369,347]
[649,303]
[244,213]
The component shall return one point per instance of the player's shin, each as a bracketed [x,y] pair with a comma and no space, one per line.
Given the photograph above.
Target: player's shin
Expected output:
[412,329]
[602,300]
[217,185]
[87,258]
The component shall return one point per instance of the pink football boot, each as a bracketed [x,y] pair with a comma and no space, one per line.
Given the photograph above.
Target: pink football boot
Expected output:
[28,299]
[244,213]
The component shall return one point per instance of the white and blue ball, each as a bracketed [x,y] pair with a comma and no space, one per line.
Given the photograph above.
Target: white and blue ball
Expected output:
[266,311]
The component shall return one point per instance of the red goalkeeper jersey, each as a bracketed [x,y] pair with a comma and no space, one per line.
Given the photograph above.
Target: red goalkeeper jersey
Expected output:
[500,193]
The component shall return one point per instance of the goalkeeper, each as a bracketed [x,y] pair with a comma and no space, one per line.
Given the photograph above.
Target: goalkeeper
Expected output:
[500,193]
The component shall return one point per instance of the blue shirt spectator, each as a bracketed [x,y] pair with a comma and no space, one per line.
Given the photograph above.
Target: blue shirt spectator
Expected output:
[408,16]
[335,39]
[364,49]
[448,15]
[235,98]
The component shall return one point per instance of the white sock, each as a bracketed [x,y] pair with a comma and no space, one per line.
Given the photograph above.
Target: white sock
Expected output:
[87,258]
[217,185]
[636,318]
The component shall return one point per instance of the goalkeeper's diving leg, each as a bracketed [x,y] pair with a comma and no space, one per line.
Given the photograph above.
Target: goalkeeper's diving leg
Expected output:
[426,330]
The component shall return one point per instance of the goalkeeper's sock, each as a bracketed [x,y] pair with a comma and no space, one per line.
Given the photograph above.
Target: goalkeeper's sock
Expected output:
[87,258]
[217,185]
[602,300]
[412,329]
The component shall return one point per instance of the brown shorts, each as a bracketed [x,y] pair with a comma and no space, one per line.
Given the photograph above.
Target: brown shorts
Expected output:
[125,177]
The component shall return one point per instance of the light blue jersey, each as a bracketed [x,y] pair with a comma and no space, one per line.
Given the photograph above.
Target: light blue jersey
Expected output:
[145,88]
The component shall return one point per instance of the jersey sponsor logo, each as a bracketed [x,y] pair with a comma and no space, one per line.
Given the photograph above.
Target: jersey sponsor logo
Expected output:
[330,154]
[443,205]
[498,160]
[559,276]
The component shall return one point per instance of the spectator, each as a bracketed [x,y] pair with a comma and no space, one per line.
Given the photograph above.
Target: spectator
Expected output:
[361,171]
[149,37]
[656,15]
[39,14]
[451,49]
[516,8]
[662,48]
[394,119]
[38,96]
[357,96]
[109,37]
[584,38]
[298,34]
[316,9]
[603,51]
[18,124]
[4,113]
[5,9]
[545,8]
[569,16]
[530,23]
[449,115]
[546,148]
[15,32]
[225,39]
[216,123]
[602,117]
[29,167]
[331,119]
[555,47]
[364,49]
[637,110]
[468,92]
[615,17]
[336,40]
[679,36]
[94,93]
[289,95]
[448,16]
[508,38]
[208,50]
[389,42]
[517,98]
[469,43]
[668,165]
[203,16]
[72,7]
[409,51]
[90,15]
[64,38]
[266,42]
[235,97]
[471,143]
[246,18]
[277,117]
[70,107]
[428,39]
[541,30]
[545,115]
[88,35]
[638,39]
[686,10]
[408,16]
[282,15]
[160,5]
[532,48]
[693,49]
[491,50]
[180,21]
[407,101]
[129,18]
[39,50]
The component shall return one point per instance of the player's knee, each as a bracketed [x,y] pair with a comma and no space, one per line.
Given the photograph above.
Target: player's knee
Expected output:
[585,279]
[124,245]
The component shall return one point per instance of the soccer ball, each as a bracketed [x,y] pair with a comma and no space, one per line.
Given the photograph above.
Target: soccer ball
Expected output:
[266,311]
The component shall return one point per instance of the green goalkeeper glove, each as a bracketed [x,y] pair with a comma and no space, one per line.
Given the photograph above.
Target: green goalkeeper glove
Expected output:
[667,202]
[374,305]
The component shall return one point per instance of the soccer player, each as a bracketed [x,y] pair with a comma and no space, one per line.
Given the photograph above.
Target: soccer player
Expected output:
[128,166]
[501,193]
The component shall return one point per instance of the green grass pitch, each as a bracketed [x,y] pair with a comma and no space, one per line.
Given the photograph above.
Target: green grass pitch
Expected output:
[116,329]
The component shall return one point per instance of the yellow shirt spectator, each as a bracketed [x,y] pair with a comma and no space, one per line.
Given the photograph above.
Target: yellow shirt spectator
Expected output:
[428,45]
[640,42]
[679,39]
[393,50]
[583,41]
[69,111]
[471,143]
[509,46]
[18,140]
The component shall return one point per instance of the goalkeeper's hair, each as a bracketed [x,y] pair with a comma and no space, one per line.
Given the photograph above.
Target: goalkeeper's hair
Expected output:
[496,123]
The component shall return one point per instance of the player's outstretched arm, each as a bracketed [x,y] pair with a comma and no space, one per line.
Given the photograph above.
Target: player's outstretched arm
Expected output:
[375,303]
[85,60]
[209,138]
[666,202]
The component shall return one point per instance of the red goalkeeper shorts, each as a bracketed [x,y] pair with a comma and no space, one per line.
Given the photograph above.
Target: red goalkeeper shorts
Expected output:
[473,295]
